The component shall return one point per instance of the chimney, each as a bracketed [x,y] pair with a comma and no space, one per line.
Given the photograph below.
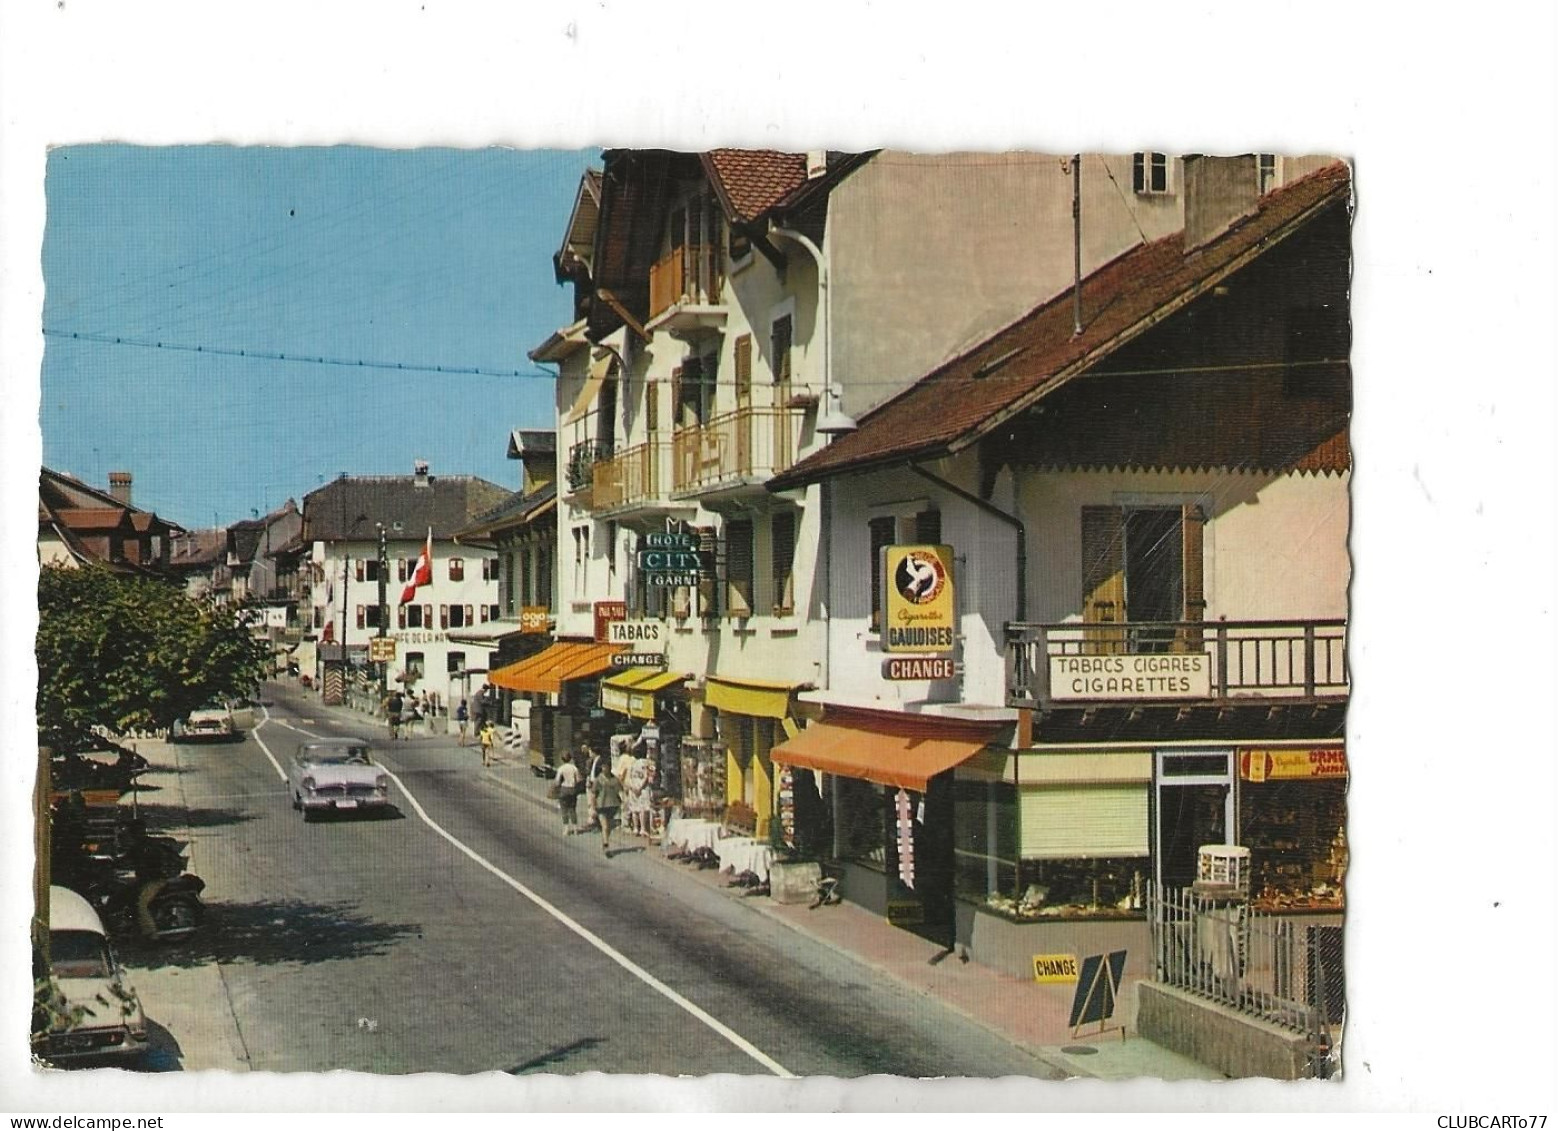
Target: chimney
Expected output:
[419,473]
[816,163]
[1218,192]
[119,486]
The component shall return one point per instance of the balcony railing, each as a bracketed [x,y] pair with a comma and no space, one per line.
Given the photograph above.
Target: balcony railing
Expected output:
[688,274]
[634,477]
[748,445]
[1175,661]
[582,458]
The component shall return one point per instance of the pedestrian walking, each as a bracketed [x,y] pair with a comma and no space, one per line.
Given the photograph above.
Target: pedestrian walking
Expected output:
[594,765]
[636,803]
[462,718]
[392,709]
[566,783]
[608,803]
[489,734]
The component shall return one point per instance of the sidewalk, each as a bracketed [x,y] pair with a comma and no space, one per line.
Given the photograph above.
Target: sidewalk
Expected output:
[1030,1015]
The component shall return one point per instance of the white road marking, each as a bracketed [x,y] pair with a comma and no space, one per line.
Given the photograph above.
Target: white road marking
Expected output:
[256,733]
[601,945]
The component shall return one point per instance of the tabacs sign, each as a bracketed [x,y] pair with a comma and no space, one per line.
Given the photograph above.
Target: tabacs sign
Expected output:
[919,611]
[605,613]
[649,634]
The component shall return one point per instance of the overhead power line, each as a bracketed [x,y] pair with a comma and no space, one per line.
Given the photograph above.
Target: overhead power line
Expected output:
[307,359]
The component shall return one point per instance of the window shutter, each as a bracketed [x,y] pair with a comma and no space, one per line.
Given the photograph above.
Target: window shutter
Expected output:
[362,616]
[470,614]
[708,590]
[782,537]
[781,347]
[927,528]
[400,569]
[401,616]
[1193,529]
[443,616]
[361,570]
[652,406]
[738,567]
[676,397]
[427,616]
[883,531]
[744,370]
[1103,575]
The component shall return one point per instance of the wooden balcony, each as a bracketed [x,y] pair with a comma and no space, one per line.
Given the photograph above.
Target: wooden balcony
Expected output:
[735,450]
[684,291]
[1050,665]
[632,479]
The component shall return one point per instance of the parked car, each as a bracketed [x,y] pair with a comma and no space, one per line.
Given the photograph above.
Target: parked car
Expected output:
[213,722]
[336,774]
[93,1011]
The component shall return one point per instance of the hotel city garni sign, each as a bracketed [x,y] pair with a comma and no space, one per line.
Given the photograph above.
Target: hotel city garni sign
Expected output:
[919,609]
[1135,676]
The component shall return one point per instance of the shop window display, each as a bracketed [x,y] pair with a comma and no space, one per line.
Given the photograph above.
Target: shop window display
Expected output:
[1105,888]
[985,865]
[1296,832]
[861,827]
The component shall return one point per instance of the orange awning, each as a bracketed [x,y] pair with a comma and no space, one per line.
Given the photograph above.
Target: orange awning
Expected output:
[905,751]
[547,671]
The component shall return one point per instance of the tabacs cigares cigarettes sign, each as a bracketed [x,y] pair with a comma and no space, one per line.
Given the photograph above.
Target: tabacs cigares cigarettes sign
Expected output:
[919,613]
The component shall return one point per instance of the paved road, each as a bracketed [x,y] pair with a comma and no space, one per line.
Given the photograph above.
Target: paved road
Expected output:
[456,936]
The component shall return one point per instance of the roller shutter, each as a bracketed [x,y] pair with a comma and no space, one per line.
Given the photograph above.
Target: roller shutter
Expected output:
[1083,821]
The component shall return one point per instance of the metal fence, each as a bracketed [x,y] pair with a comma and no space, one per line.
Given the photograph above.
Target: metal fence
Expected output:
[1280,970]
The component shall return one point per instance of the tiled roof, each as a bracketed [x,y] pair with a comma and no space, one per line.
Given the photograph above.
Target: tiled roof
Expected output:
[754,180]
[958,402]
[351,507]
[516,510]
[198,548]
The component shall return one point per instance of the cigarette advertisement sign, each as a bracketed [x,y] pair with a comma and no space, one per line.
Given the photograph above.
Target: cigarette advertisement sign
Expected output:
[1292,765]
[919,610]
[1158,675]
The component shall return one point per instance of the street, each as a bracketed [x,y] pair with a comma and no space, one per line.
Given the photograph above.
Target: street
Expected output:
[464,933]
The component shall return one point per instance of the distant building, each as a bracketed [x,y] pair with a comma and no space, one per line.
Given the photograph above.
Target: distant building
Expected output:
[79,525]
[342,525]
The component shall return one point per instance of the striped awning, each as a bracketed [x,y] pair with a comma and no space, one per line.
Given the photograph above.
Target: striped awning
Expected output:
[547,671]
[631,692]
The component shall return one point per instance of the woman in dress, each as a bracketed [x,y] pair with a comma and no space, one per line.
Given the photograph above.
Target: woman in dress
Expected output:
[636,788]
[567,782]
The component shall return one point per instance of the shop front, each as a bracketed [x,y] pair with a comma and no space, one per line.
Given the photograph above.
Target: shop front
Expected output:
[749,717]
[1053,854]
[651,713]
[1293,819]
[874,794]
[563,698]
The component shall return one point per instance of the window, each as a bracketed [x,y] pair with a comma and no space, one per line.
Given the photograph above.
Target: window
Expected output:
[489,569]
[455,616]
[693,384]
[319,616]
[372,619]
[1265,172]
[779,341]
[492,612]
[1142,566]
[611,549]
[782,537]
[456,569]
[411,616]
[416,664]
[506,585]
[883,532]
[455,664]
[1150,173]
[738,568]
[542,575]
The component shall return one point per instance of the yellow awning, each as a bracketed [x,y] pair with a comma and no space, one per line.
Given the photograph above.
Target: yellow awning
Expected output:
[547,671]
[598,370]
[905,751]
[760,697]
[632,692]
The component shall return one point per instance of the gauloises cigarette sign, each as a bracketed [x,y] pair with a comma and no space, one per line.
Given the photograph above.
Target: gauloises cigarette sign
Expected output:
[919,613]
[1292,765]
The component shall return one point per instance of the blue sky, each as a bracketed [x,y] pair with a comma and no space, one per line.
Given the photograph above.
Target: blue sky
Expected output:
[422,257]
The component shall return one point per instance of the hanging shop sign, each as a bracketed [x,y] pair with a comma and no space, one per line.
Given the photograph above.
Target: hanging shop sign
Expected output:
[673,558]
[381,649]
[904,821]
[638,659]
[646,634]
[1165,675]
[1292,765]
[919,667]
[605,613]
[534,619]
[919,612]
[1055,968]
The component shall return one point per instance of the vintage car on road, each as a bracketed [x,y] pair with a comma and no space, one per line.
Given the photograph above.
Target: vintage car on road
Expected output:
[212,722]
[336,774]
[91,1010]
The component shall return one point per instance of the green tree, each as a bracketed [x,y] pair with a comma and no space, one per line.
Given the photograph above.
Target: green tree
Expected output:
[128,653]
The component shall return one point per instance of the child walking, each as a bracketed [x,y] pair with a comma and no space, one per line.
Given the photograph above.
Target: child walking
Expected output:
[489,734]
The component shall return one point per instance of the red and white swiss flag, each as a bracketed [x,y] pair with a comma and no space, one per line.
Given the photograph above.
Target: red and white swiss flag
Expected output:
[423,574]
